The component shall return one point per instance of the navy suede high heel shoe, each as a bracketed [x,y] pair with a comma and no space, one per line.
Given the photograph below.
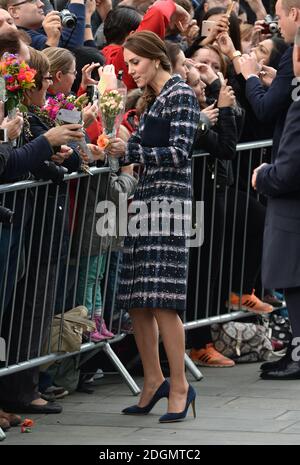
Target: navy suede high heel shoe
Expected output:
[162,391]
[190,399]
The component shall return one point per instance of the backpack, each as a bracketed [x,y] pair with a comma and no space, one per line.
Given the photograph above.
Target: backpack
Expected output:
[67,330]
[242,342]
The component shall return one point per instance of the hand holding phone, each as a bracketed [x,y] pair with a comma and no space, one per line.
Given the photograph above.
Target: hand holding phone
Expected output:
[207,27]
[73,117]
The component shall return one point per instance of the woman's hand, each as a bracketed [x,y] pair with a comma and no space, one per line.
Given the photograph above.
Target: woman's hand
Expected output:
[64,153]
[116,147]
[87,79]
[13,126]
[211,113]
[191,32]
[64,134]
[98,154]
[226,45]
[89,114]
[207,73]
[222,25]
[226,96]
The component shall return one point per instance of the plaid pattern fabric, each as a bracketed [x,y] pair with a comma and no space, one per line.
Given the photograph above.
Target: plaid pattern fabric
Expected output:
[154,272]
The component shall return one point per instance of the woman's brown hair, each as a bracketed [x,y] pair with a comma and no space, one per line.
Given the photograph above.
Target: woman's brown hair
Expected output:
[147,44]
[60,59]
[40,63]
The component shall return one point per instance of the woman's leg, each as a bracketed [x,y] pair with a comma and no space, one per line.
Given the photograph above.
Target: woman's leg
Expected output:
[172,333]
[146,336]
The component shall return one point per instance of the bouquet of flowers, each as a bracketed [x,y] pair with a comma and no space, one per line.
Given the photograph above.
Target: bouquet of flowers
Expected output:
[58,102]
[18,76]
[112,98]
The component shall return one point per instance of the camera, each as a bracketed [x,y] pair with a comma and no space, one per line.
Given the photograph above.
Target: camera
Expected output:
[68,19]
[6,215]
[270,25]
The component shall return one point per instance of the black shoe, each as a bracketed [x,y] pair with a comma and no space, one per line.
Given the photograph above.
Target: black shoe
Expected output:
[15,407]
[290,371]
[281,363]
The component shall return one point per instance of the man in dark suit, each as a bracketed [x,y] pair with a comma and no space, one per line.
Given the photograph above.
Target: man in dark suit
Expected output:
[271,105]
[280,181]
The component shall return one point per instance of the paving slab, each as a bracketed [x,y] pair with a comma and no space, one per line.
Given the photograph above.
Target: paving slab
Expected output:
[234,406]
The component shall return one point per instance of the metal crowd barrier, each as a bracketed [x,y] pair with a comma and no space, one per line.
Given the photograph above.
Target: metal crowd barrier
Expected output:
[39,274]
[40,265]
[213,267]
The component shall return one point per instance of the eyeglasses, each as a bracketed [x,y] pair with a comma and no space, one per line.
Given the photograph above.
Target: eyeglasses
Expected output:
[48,78]
[72,72]
[25,1]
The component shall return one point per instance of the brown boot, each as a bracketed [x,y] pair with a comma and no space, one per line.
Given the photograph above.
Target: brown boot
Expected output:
[4,424]
[13,419]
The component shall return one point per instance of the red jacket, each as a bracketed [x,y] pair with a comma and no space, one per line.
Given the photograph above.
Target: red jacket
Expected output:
[156,20]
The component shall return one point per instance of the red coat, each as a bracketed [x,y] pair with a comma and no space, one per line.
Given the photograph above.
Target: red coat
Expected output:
[156,20]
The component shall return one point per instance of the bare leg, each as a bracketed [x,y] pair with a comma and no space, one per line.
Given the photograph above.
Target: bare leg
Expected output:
[172,333]
[146,337]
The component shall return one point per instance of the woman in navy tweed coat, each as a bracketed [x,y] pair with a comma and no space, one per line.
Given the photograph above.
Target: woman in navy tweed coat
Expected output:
[154,276]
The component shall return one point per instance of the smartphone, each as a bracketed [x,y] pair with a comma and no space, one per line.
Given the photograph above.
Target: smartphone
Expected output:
[92,93]
[3,135]
[69,116]
[207,27]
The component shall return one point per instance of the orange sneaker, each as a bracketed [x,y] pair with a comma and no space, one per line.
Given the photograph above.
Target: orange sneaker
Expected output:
[210,357]
[248,302]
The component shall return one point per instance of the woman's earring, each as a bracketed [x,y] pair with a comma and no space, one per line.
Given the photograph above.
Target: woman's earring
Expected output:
[157,66]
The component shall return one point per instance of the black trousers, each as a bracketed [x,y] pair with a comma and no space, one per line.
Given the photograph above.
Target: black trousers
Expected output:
[292,296]
[22,387]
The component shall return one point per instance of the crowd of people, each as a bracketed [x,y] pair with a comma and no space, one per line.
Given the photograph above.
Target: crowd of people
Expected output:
[201,75]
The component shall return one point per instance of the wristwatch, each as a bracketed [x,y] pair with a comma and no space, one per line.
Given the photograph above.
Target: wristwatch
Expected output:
[235,54]
[88,26]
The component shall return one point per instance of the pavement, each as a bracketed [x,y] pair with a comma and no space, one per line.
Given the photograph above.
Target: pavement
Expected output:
[234,406]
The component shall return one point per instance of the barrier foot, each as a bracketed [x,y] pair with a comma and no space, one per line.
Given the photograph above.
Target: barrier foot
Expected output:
[2,435]
[192,368]
[121,369]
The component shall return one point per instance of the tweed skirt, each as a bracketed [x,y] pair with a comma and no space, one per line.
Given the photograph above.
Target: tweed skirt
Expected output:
[154,273]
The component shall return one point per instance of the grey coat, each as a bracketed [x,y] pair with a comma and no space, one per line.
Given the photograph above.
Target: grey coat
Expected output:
[110,186]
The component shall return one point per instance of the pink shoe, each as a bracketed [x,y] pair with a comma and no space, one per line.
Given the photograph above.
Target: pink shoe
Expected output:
[97,337]
[105,331]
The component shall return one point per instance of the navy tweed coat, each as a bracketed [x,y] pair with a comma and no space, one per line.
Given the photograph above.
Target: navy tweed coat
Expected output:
[154,272]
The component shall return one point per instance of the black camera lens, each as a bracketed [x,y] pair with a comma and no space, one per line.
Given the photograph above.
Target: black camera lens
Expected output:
[6,215]
[68,19]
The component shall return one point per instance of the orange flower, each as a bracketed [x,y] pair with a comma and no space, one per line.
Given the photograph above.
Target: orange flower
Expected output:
[102,141]
[29,75]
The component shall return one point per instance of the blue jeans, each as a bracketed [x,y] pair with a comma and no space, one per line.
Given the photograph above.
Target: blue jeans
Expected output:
[91,278]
